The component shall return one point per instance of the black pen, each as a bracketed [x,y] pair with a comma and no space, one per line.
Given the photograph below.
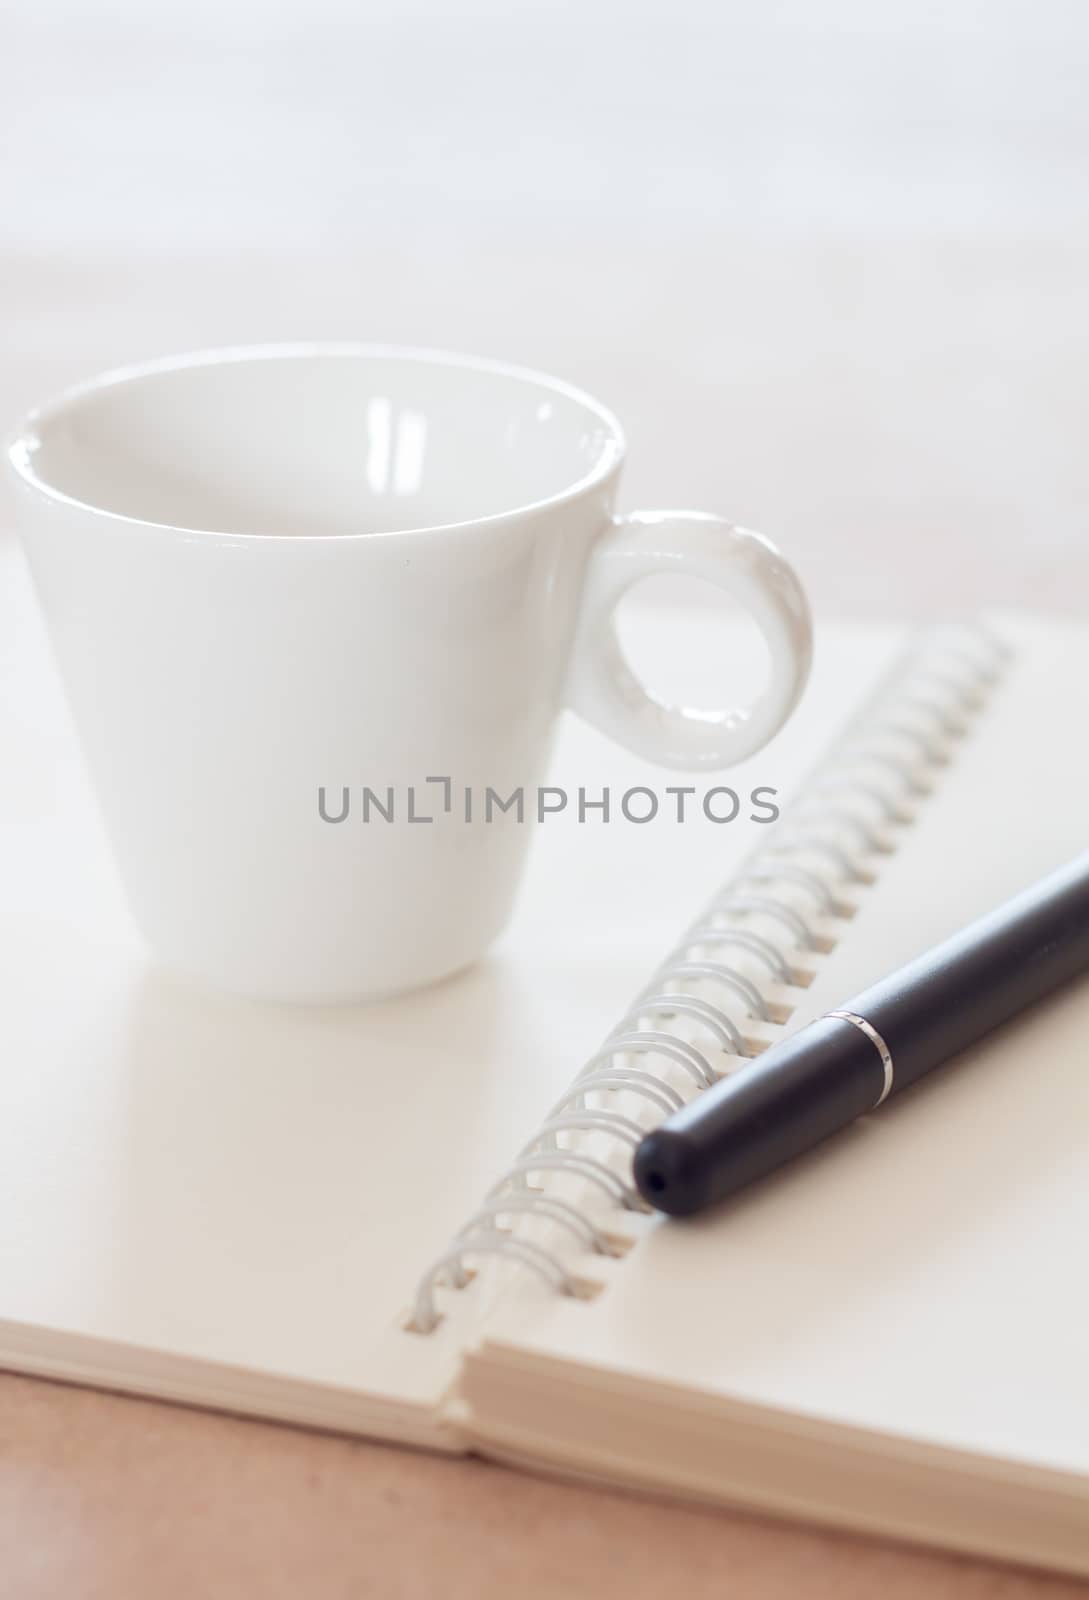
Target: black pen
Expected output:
[850,1060]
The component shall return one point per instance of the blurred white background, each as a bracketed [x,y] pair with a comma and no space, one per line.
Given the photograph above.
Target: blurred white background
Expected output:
[829,261]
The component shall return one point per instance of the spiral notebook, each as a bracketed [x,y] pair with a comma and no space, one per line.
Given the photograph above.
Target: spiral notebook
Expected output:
[416,1221]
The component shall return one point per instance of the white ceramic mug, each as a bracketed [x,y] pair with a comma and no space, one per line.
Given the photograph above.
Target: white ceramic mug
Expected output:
[270,569]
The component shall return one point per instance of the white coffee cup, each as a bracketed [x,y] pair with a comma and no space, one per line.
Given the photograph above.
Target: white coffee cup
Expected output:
[268,570]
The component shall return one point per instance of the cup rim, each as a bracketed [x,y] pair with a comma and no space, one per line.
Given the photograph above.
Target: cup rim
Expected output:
[19,454]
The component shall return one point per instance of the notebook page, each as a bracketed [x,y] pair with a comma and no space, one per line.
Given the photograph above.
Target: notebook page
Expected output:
[922,1276]
[230,1203]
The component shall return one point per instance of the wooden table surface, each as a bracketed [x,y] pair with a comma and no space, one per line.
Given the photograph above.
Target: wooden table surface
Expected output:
[831,265]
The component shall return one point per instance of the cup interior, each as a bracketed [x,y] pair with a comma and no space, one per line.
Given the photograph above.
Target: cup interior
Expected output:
[317,441]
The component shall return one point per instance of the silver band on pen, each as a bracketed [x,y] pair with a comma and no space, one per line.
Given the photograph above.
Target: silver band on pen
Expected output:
[879,1045]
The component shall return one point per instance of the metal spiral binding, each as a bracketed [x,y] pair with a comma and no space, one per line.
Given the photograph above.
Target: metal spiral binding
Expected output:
[826,849]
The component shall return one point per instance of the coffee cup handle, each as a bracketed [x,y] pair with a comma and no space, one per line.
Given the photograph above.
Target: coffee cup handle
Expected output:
[602,687]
